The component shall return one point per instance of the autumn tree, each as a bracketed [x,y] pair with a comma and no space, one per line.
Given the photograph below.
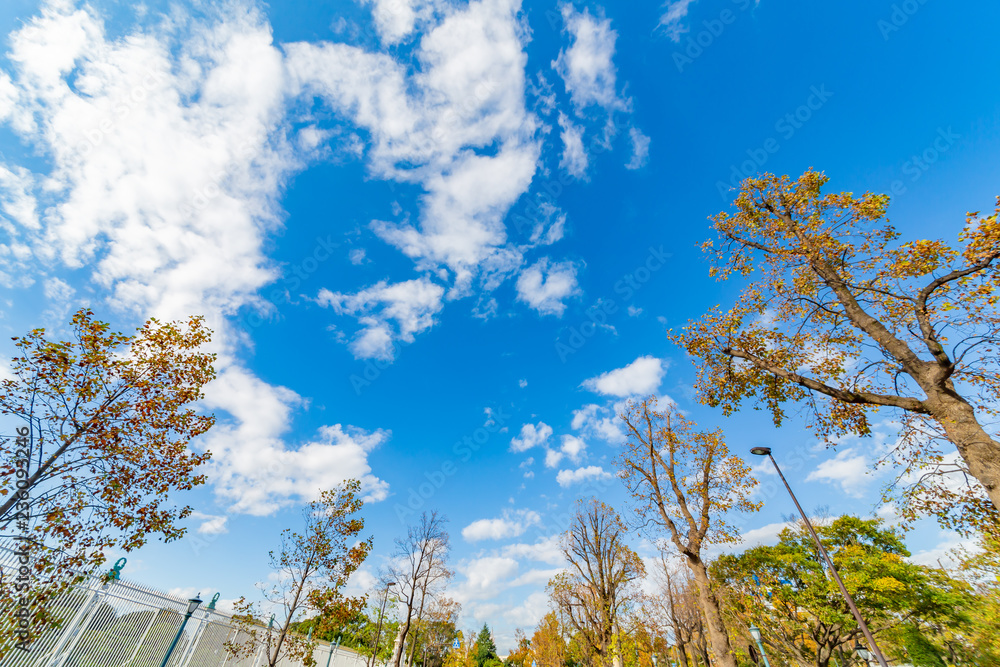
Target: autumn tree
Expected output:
[684,482]
[674,605]
[600,581]
[418,566]
[842,318]
[312,569]
[548,645]
[520,655]
[101,426]
[785,590]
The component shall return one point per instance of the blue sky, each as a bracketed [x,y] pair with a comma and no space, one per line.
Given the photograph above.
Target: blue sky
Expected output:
[419,224]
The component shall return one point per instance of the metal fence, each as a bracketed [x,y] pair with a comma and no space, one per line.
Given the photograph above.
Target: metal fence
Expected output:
[118,623]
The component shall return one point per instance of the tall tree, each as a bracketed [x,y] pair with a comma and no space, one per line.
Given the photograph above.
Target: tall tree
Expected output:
[787,592]
[839,316]
[418,566]
[600,582]
[312,569]
[103,423]
[684,482]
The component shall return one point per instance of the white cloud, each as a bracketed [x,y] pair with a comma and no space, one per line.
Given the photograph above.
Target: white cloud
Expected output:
[427,124]
[168,158]
[256,472]
[553,457]
[522,383]
[544,287]
[545,550]
[599,421]
[210,524]
[849,468]
[531,435]
[412,305]
[640,156]
[572,448]
[642,376]
[530,612]
[396,19]
[574,157]
[672,19]
[484,577]
[570,477]
[511,524]
[587,66]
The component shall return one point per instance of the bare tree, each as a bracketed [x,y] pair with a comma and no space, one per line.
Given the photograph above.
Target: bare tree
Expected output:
[418,568]
[598,586]
[684,482]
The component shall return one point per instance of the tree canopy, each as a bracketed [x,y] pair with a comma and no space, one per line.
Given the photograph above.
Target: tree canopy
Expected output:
[840,316]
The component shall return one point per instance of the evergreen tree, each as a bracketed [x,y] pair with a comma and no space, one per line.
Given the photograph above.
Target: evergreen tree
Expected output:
[485,650]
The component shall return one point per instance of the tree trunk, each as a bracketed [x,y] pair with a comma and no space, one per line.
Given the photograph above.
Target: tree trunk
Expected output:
[682,653]
[979,451]
[717,635]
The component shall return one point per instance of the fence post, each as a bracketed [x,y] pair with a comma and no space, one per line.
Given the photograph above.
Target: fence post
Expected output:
[71,637]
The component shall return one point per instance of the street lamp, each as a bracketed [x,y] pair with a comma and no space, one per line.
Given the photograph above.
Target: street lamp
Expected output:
[192,606]
[654,660]
[755,633]
[863,653]
[378,630]
[766,451]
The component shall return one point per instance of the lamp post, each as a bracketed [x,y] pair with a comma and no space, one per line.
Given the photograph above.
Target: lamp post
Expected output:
[192,606]
[766,451]
[378,630]
[755,633]
[863,653]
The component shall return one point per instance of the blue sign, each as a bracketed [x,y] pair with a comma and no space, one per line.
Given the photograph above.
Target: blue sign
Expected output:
[456,643]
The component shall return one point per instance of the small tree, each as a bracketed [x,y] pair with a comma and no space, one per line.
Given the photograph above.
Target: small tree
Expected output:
[684,482]
[485,650]
[103,424]
[312,568]
[841,318]
[418,568]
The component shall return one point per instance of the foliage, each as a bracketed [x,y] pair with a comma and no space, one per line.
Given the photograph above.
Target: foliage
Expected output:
[107,424]
[418,569]
[548,646]
[843,319]
[312,569]
[785,590]
[484,651]
[684,482]
[600,583]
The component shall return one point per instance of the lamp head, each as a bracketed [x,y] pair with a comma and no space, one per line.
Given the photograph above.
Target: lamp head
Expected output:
[862,652]
[654,660]
[193,604]
[755,633]
[390,583]
[761,451]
